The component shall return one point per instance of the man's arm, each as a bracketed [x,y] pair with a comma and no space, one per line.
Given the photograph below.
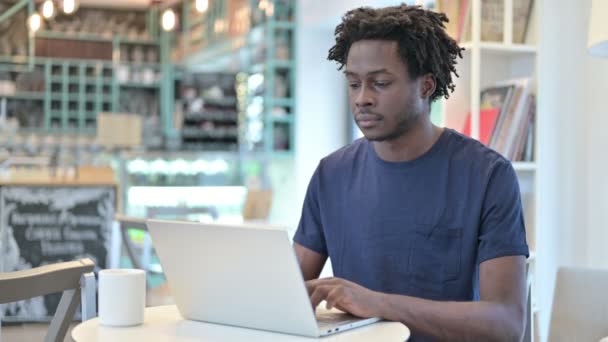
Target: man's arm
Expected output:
[498,315]
[311,262]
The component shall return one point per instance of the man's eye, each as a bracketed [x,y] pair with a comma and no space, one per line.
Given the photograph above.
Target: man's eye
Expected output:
[381,84]
[353,85]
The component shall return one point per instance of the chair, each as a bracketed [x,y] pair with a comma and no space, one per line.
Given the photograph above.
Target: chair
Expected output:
[125,223]
[580,305]
[74,278]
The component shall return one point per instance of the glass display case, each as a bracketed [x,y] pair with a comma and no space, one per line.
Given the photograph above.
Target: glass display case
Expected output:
[194,186]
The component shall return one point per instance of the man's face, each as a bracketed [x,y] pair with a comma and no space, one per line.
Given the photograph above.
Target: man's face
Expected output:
[385,101]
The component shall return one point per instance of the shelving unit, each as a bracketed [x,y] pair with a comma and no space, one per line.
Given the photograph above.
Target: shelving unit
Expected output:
[208,106]
[258,34]
[276,67]
[76,90]
[125,75]
[256,38]
[487,64]
[114,39]
[25,95]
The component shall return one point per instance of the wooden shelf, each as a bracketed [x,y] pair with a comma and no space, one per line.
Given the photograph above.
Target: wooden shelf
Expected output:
[524,166]
[501,48]
[138,65]
[72,36]
[188,132]
[14,59]
[30,130]
[25,95]
[139,85]
[69,113]
[281,102]
[287,119]
[89,80]
[93,37]
[212,116]
[224,101]
[136,41]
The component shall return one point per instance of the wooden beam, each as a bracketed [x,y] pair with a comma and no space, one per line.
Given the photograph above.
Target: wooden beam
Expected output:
[11,11]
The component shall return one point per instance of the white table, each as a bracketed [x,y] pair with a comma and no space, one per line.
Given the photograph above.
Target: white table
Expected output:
[164,323]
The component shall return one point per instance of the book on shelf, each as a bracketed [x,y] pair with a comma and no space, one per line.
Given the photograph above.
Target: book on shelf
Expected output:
[491,104]
[523,130]
[506,119]
[452,11]
[492,19]
[464,21]
[528,154]
[513,126]
[487,122]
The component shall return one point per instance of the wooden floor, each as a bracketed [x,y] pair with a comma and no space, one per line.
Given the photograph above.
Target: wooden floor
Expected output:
[34,332]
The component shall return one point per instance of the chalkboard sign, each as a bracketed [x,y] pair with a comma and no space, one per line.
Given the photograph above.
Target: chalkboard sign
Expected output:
[46,225]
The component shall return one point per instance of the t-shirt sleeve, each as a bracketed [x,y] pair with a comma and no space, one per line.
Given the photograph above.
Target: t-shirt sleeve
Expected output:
[310,230]
[502,232]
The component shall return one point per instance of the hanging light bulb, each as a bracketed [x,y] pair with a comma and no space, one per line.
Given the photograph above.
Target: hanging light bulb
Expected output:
[270,9]
[168,20]
[202,5]
[69,6]
[34,22]
[48,9]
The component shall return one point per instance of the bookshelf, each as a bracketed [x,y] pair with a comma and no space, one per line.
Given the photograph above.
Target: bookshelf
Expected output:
[488,64]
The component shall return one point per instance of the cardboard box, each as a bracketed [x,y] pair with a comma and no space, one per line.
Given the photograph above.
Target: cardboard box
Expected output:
[119,129]
[257,205]
[7,88]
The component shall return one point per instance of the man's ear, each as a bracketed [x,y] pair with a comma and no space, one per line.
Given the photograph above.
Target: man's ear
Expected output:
[428,85]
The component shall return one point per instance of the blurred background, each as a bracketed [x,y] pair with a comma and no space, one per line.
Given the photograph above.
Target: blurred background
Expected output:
[220,110]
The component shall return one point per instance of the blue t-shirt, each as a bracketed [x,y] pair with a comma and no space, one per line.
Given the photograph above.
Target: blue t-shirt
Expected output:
[419,228]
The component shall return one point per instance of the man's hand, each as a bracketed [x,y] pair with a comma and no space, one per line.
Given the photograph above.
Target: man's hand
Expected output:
[345,295]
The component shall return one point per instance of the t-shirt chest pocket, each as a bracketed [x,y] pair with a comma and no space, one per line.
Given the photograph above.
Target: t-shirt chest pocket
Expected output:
[435,256]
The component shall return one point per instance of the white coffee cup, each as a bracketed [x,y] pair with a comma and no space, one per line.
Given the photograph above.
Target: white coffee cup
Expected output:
[122,297]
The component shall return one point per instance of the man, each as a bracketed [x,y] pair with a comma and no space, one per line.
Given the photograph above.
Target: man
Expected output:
[422,224]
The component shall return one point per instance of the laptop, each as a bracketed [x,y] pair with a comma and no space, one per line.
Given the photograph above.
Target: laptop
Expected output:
[241,275]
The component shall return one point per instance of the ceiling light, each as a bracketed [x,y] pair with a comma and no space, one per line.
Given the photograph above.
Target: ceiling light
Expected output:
[69,6]
[270,10]
[34,22]
[202,5]
[48,9]
[168,20]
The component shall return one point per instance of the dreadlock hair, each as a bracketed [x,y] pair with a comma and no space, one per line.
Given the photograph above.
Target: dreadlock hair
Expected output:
[423,44]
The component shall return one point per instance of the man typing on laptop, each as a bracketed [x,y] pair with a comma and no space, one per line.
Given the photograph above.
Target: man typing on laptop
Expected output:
[422,224]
